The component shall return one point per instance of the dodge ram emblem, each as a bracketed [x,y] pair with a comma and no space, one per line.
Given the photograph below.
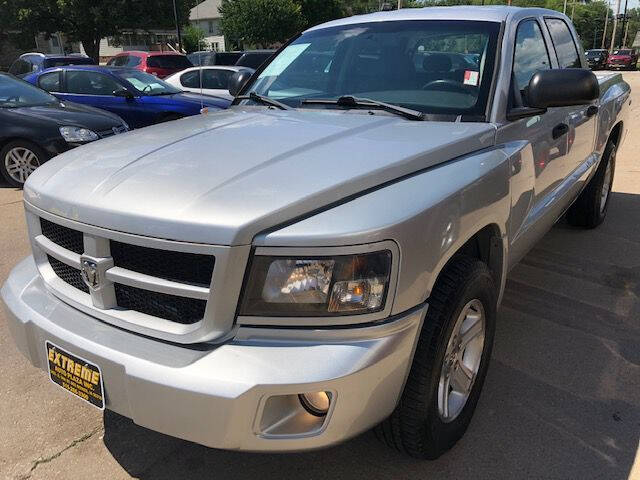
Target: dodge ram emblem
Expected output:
[90,273]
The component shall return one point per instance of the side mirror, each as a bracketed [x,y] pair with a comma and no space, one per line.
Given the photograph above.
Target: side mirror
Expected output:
[237,81]
[562,88]
[123,92]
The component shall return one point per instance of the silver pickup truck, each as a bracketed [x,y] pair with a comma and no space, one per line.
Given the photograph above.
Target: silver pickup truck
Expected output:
[327,255]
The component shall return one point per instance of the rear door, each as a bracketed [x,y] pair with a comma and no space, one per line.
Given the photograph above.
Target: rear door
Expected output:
[581,119]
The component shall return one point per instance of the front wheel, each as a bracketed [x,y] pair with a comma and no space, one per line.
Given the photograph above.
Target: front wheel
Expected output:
[590,208]
[449,365]
[19,159]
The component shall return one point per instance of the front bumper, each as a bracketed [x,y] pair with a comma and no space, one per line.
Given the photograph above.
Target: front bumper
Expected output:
[238,395]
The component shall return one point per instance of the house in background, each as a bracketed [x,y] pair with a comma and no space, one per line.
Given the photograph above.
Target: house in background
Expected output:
[142,40]
[206,17]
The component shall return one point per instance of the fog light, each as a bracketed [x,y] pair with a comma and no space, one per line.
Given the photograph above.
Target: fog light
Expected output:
[316,403]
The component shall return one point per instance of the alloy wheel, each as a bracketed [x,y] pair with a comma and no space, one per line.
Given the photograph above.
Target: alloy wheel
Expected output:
[461,360]
[20,162]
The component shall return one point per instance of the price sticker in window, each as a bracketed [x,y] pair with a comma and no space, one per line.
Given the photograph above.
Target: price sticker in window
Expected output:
[471,77]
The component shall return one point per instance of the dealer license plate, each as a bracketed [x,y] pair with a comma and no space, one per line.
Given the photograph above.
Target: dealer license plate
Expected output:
[76,375]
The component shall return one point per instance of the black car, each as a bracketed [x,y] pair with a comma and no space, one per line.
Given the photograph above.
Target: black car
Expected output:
[254,58]
[35,126]
[201,59]
[597,58]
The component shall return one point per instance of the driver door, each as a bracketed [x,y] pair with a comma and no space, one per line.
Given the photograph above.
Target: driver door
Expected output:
[96,90]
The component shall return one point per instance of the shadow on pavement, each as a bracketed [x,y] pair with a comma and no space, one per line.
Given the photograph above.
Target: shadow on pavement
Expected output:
[561,397]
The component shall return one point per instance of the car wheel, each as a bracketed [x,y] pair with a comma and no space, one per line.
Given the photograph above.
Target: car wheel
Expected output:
[590,208]
[19,159]
[449,365]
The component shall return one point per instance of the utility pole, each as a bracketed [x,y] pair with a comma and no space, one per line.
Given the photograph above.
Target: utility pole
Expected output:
[626,23]
[615,26]
[606,20]
[175,17]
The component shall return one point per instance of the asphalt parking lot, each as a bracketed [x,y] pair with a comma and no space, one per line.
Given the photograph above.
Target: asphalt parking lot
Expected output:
[561,400]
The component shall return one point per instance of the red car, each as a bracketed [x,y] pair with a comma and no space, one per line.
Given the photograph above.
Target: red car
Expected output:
[161,64]
[626,58]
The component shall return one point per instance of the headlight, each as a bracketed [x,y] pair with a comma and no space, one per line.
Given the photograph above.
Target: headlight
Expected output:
[317,286]
[78,134]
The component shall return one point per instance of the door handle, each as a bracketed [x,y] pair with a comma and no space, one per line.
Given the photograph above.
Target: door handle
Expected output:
[592,110]
[559,130]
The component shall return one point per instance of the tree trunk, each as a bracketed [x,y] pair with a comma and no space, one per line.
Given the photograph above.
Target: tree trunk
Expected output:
[92,48]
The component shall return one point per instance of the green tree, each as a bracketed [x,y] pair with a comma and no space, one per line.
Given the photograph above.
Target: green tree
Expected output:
[320,11]
[87,21]
[260,23]
[193,39]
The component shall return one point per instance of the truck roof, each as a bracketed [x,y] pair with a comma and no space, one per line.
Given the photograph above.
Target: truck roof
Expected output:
[488,13]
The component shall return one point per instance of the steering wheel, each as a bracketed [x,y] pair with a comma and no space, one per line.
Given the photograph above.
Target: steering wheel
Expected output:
[448,85]
[15,97]
[144,89]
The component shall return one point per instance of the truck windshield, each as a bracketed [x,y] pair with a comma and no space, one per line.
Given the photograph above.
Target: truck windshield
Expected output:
[432,66]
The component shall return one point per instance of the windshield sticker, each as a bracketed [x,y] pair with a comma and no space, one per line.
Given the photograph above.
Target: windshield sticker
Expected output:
[282,61]
[471,78]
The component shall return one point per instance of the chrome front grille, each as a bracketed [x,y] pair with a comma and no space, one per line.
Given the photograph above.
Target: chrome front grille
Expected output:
[153,286]
[124,290]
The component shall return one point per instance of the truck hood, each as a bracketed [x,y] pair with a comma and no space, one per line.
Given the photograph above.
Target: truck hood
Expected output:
[223,178]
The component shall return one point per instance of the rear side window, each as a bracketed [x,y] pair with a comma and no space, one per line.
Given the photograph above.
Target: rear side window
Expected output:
[563,42]
[169,61]
[20,67]
[190,79]
[530,53]
[50,82]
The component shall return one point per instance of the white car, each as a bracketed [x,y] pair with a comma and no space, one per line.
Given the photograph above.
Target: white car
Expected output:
[215,79]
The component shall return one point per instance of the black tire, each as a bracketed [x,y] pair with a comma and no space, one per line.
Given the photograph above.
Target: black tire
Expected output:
[416,426]
[588,211]
[40,156]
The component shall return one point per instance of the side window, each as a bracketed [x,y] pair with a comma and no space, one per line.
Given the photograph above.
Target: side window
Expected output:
[132,61]
[216,79]
[90,83]
[190,79]
[50,82]
[530,54]
[563,42]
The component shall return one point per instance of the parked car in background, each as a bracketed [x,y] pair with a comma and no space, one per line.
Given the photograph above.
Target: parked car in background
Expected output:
[36,62]
[597,58]
[140,98]
[214,58]
[207,80]
[35,126]
[624,58]
[160,64]
[254,58]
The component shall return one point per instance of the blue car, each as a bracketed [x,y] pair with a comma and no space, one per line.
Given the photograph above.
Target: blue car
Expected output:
[140,98]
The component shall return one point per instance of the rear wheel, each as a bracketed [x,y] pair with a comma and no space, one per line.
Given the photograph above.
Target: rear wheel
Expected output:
[19,159]
[590,208]
[449,365]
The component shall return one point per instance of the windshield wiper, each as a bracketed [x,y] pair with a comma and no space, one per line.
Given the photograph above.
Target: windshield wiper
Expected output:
[354,102]
[264,100]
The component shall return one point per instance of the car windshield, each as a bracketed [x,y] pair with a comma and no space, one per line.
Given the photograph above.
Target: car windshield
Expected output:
[16,93]
[622,52]
[146,83]
[594,54]
[432,66]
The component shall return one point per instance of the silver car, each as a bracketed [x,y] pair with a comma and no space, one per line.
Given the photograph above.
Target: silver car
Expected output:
[327,255]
